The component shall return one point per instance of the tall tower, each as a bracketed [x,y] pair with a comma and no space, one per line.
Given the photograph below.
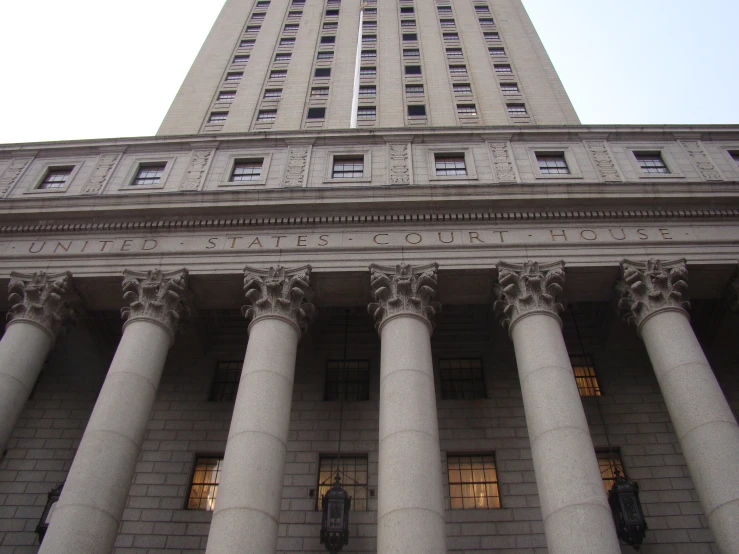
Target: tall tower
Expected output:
[335,64]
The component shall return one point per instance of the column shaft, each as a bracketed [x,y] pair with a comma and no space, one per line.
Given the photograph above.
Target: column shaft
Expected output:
[23,350]
[577,518]
[250,492]
[410,497]
[89,511]
[703,420]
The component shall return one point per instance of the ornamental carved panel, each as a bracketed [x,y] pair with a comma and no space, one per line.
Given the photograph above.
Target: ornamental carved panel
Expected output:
[701,161]
[196,169]
[503,168]
[604,163]
[100,174]
[296,169]
[12,173]
[399,170]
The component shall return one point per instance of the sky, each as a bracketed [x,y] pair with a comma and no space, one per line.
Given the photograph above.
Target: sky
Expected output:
[83,69]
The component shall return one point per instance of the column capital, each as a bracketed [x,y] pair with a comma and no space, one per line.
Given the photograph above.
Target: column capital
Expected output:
[529,288]
[404,290]
[158,296]
[279,293]
[647,288]
[43,299]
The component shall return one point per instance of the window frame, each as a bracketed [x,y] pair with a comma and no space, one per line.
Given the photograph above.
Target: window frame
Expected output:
[349,153]
[594,385]
[458,456]
[448,151]
[133,170]
[347,483]
[233,159]
[364,383]
[610,454]
[481,379]
[48,166]
[670,163]
[556,148]
[197,456]
[214,381]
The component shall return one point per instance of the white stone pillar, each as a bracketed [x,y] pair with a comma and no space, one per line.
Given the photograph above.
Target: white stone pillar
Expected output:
[577,518]
[40,306]
[654,297]
[88,514]
[410,518]
[247,509]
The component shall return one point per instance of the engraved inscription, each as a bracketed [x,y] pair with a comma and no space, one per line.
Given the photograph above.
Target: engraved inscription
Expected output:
[11,174]
[100,173]
[603,161]
[700,159]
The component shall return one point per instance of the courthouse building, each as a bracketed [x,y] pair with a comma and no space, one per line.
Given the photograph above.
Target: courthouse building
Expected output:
[401,197]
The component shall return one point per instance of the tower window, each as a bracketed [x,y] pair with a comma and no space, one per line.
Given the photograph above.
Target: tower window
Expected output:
[446,22]
[328,39]
[404,10]
[247,43]
[226,96]
[328,55]
[234,77]
[451,36]
[149,174]
[496,51]
[316,113]
[204,486]
[587,382]
[217,117]
[410,37]
[257,17]
[282,58]
[454,53]
[516,109]
[369,90]
[330,25]
[262,4]
[461,379]
[319,92]
[294,15]
[411,53]
[244,170]
[608,462]
[412,69]
[287,42]
[369,25]
[252,28]
[348,167]
[369,54]
[228,374]
[347,379]
[408,23]
[273,94]
[464,88]
[332,13]
[552,163]
[487,21]
[444,9]
[322,72]
[473,482]
[482,9]
[291,27]
[266,116]
[353,472]
[450,164]
[368,71]
[490,35]
[457,69]
[56,177]
[503,68]
[278,74]
[369,38]
[416,110]
[734,155]
[366,112]
[651,162]
[509,88]
[370,11]
[240,59]
[466,109]
[414,89]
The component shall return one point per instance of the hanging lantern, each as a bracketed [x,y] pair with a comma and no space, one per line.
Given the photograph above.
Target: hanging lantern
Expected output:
[335,522]
[631,526]
[43,524]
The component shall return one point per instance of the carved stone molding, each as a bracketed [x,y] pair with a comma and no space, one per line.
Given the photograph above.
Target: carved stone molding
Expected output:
[603,161]
[196,169]
[279,292]
[161,296]
[296,170]
[505,171]
[648,287]
[12,172]
[100,174]
[700,159]
[46,299]
[527,288]
[400,173]
[403,289]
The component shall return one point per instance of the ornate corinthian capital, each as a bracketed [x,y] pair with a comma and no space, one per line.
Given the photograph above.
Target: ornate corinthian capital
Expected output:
[279,292]
[156,295]
[45,299]
[403,289]
[652,286]
[529,287]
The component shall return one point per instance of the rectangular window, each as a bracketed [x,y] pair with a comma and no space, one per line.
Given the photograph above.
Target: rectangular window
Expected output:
[450,164]
[454,53]
[266,116]
[246,43]
[457,69]
[302,2]
[496,51]
[734,155]
[482,9]
[149,174]
[244,170]
[328,39]
[331,2]
[253,28]
[319,92]
[416,110]
[226,96]
[322,72]
[414,89]
[332,13]
[278,74]
[369,25]
[291,28]
[240,59]
[405,10]
[370,11]
[282,58]
[258,17]
[410,37]
[466,109]
[503,68]
[56,177]
[368,71]
[348,167]
[651,162]
[262,4]
[369,38]
[330,25]
[328,55]
[273,94]
[353,473]
[204,486]
[347,379]
[226,380]
[509,88]
[446,22]
[408,23]
[587,382]
[463,378]
[608,463]
[516,109]
[444,9]
[369,54]
[316,113]
[234,77]
[366,112]
[294,15]
[553,163]
[367,91]
[487,21]
[473,482]
[287,42]
[464,88]
[490,35]
[451,36]
[412,69]
[411,53]
[217,117]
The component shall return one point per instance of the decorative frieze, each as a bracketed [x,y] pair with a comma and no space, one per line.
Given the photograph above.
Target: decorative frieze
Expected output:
[529,287]
[400,173]
[403,289]
[700,159]
[100,174]
[196,169]
[603,161]
[296,170]
[647,287]
[505,171]
[279,292]
[46,299]
[12,172]
[156,295]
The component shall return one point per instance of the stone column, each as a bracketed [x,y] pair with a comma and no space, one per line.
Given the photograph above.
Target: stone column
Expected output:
[40,306]
[89,511]
[654,297]
[577,518]
[410,518]
[247,509]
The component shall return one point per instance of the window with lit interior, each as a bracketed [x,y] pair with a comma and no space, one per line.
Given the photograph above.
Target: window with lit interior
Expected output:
[473,482]
[353,472]
[608,462]
[204,485]
[584,370]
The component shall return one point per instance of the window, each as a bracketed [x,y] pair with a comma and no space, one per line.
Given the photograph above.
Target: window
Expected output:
[328,55]
[287,42]
[463,378]
[587,382]
[241,59]
[496,51]
[509,88]
[451,36]
[450,164]
[217,117]
[411,53]
[503,68]
[322,72]
[367,91]
[446,22]
[487,21]
[316,113]
[457,69]
[299,2]
[331,2]
[258,17]
[369,25]
[294,15]
[734,155]
[353,473]
[273,94]
[348,167]
[444,9]
[234,77]
[56,177]
[149,174]
[412,69]
[262,4]
[466,109]
[366,112]
[410,37]
[332,13]
[204,486]
[226,96]
[282,57]
[608,461]
[465,88]
[369,54]
[404,10]
[318,92]
[369,38]
[414,89]
[330,25]
[416,110]
[651,162]
[552,163]
[482,9]
[491,35]
[266,116]
[370,11]
[347,379]
[516,109]
[291,27]
[454,53]
[368,71]
[244,170]
[226,380]
[473,482]
[252,28]
[408,23]
[246,43]
[278,74]
[328,40]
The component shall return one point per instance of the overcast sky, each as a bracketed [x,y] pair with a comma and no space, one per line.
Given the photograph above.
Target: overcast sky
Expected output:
[78,69]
